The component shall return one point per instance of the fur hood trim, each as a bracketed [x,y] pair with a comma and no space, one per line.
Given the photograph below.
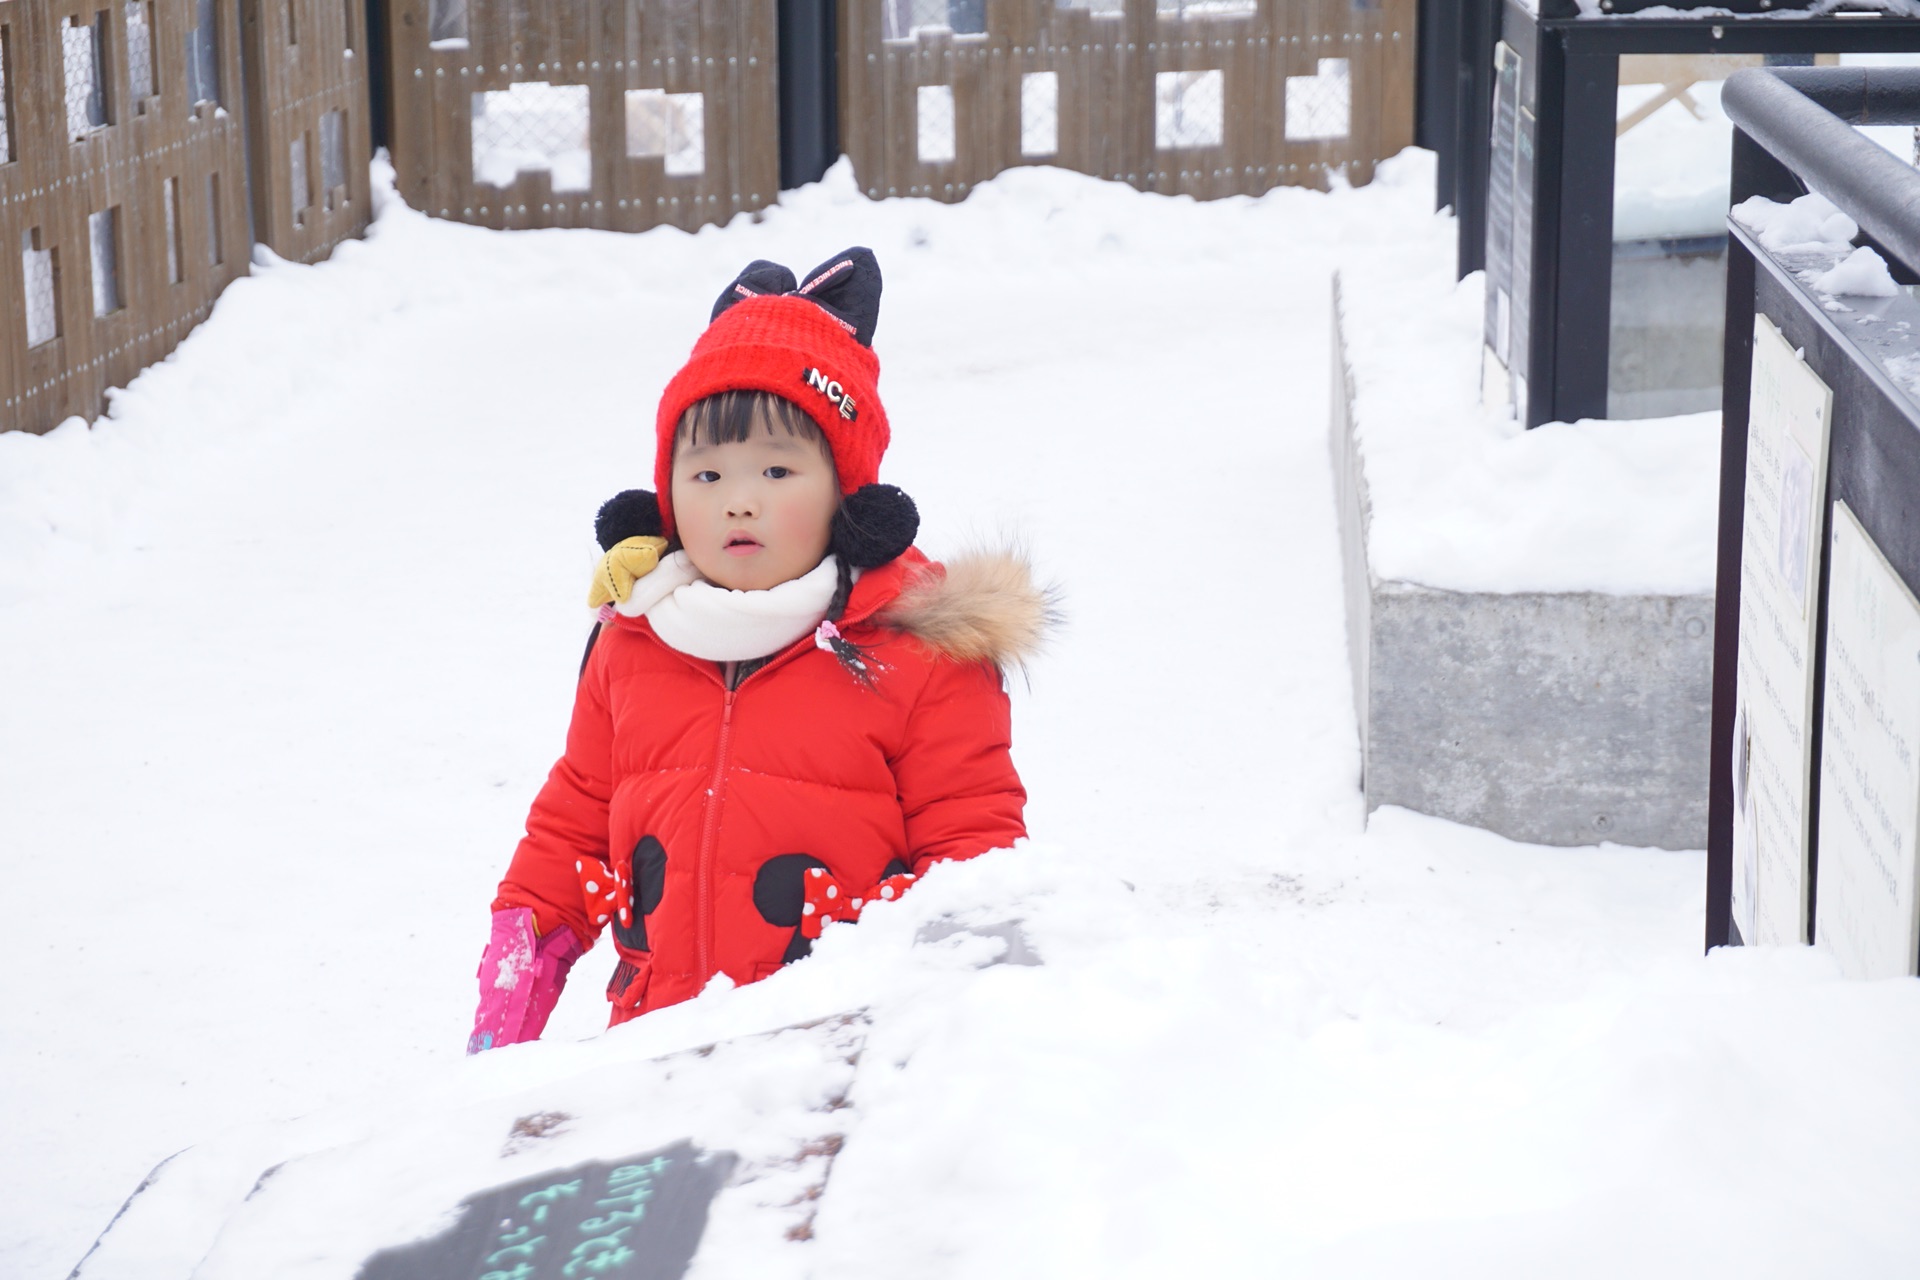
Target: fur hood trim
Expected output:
[981,606]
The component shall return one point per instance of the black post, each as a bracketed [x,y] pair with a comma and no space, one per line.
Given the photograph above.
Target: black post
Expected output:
[1736,386]
[809,90]
[1575,368]
[1436,125]
[1473,128]
[379,75]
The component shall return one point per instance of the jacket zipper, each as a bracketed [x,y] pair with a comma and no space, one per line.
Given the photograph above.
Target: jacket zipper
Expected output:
[716,788]
[716,796]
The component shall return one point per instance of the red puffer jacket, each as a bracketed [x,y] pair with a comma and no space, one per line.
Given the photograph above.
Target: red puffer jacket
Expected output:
[684,814]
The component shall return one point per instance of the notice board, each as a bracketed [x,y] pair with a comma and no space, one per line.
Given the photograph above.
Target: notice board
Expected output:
[1869,761]
[1790,414]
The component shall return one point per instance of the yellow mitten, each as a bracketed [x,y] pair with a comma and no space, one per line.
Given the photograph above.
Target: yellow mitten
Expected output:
[628,562]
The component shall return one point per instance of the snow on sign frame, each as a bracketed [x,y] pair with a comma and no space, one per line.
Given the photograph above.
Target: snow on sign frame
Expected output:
[1790,412]
[636,1219]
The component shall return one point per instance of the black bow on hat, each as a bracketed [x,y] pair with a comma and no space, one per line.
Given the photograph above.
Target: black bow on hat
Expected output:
[846,287]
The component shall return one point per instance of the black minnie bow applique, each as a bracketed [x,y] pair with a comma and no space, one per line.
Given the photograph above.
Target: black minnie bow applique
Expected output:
[845,286]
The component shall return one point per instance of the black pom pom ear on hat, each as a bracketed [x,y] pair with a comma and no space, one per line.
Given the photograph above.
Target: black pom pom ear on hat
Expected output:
[634,513]
[875,523]
[845,286]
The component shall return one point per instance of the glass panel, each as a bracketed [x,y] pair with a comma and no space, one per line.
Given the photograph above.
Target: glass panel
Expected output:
[203,55]
[1668,297]
[297,173]
[447,24]
[6,94]
[906,19]
[333,152]
[103,240]
[213,219]
[1207,8]
[40,275]
[170,202]
[139,52]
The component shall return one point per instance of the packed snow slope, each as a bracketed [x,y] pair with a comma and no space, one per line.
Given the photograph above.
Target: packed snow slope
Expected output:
[290,639]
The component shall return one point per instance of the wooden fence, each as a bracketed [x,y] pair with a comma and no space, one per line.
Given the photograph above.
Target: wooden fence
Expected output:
[307,86]
[621,114]
[124,186]
[1208,99]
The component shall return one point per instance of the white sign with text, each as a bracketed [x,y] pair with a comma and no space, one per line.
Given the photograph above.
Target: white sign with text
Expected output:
[1869,761]
[1789,413]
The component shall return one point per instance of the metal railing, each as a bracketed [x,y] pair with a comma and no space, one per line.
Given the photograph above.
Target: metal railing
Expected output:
[1815,793]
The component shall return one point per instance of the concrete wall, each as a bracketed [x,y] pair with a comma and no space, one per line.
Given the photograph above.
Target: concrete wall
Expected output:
[1554,718]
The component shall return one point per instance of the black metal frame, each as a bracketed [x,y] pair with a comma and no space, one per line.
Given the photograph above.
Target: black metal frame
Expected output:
[1573,72]
[1793,131]
[809,70]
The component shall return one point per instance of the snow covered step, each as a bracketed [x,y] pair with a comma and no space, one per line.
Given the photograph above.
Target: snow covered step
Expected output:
[1530,614]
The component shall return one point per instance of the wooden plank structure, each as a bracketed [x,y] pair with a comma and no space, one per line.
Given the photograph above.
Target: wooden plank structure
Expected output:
[124,176]
[307,127]
[122,198]
[583,112]
[1131,95]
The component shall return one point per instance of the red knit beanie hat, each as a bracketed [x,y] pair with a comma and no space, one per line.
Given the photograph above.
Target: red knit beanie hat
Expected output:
[811,343]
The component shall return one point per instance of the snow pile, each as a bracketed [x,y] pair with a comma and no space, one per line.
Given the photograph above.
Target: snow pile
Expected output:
[1463,499]
[1863,273]
[1810,224]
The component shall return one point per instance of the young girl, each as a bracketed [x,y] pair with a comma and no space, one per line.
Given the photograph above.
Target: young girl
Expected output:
[788,711]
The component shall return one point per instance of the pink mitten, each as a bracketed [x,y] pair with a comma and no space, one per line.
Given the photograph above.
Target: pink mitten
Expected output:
[521,975]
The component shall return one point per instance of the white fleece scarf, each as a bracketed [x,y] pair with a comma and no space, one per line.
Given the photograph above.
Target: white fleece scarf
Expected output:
[705,621]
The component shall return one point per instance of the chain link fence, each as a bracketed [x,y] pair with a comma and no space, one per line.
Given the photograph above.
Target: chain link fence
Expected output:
[1320,106]
[40,278]
[82,47]
[139,53]
[1189,109]
[533,126]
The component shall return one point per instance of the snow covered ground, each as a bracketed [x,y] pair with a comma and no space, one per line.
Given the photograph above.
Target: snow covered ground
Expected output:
[289,642]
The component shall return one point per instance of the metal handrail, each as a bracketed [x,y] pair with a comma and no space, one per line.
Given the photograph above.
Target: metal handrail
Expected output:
[1804,116]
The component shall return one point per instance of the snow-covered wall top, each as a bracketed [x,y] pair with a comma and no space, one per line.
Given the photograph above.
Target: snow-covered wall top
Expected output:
[1464,499]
